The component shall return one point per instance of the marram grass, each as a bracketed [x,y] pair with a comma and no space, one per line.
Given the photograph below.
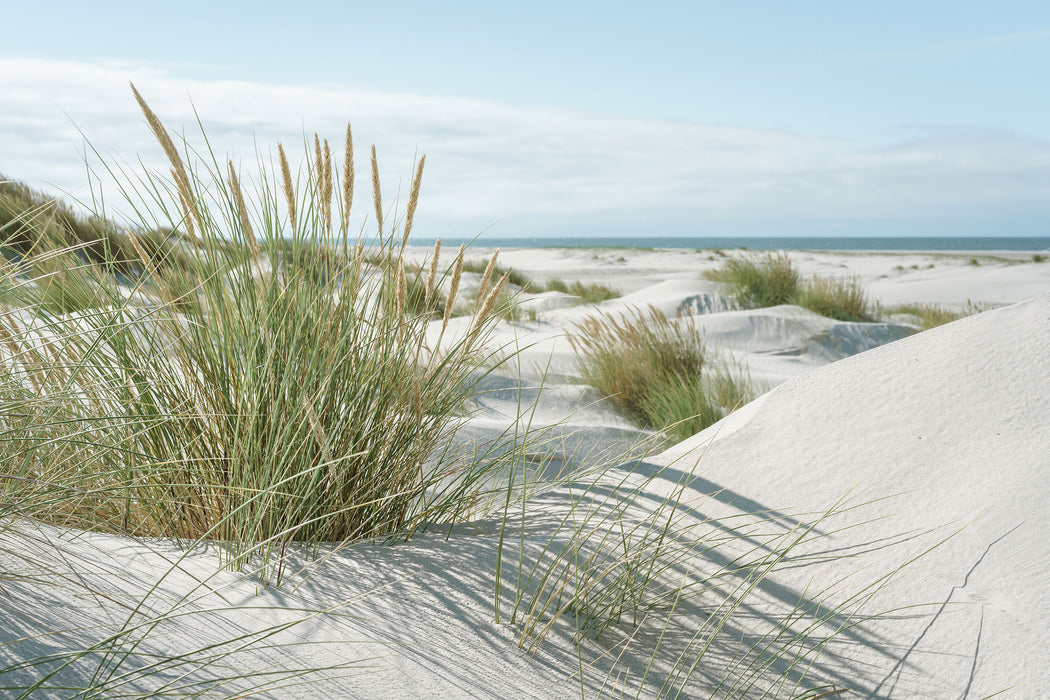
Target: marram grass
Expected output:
[275,387]
[245,374]
[658,371]
[771,280]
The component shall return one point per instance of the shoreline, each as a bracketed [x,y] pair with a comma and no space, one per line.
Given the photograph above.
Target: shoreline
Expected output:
[1019,244]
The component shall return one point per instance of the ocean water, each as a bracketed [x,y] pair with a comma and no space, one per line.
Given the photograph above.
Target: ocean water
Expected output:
[1040,244]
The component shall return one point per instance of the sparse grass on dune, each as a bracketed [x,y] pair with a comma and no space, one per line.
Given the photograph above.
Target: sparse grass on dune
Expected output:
[593,293]
[759,281]
[933,315]
[516,277]
[842,300]
[508,307]
[658,371]
[771,280]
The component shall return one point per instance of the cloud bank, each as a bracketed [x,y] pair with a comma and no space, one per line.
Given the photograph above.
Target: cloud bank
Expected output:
[544,172]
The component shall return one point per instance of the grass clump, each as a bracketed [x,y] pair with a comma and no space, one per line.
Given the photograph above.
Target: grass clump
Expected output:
[1038,258]
[658,372]
[758,282]
[593,293]
[843,300]
[276,389]
[514,276]
[771,280]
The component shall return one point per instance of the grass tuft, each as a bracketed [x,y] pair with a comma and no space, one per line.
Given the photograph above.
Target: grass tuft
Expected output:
[771,280]
[933,315]
[758,282]
[658,372]
[842,300]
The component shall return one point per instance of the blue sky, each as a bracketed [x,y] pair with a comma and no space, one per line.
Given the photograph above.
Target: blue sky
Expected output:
[542,118]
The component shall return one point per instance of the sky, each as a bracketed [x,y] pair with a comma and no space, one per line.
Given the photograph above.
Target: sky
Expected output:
[548,119]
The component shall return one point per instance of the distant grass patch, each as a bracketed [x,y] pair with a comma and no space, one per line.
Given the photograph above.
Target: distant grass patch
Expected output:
[658,372]
[516,277]
[843,300]
[933,315]
[1038,258]
[34,223]
[590,293]
[758,282]
[771,280]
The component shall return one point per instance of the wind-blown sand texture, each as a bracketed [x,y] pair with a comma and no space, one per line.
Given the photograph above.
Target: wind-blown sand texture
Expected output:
[933,444]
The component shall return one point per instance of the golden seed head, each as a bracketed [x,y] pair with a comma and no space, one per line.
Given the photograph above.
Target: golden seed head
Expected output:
[432,274]
[413,199]
[146,260]
[485,278]
[491,299]
[178,168]
[348,178]
[402,287]
[355,269]
[186,200]
[242,210]
[377,198]
[453,289]
[286,180]
[326,187]
[162,136]
[318,172]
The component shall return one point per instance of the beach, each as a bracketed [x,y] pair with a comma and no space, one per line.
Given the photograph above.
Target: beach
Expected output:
[872,524]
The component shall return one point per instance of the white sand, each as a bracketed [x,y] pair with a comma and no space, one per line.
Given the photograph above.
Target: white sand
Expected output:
[942,434]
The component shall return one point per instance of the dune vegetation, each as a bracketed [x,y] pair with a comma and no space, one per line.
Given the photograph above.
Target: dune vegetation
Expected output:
[659,372]
[237,370]
[770,280]
[757,281]
[227,381]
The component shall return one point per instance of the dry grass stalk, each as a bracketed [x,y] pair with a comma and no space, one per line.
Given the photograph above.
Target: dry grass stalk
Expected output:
[402,287]
[21,349]
[242,210]
[490,300]
[348,178]
[432,274]
[286,180]
[355,270]
[318,159]
[377,198]
[182,179]
[9,339]
[326,188]
[147,261]
[457,272]
[413,200]
[327,193]
[485,278]
[186,201]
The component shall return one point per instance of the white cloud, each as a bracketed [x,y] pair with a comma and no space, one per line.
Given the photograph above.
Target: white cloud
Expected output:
[527,167]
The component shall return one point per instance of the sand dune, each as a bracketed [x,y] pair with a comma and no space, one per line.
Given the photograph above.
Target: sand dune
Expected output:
[944,433]
[916,462]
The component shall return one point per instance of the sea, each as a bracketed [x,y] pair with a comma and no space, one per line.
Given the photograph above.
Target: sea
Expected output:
[940,243]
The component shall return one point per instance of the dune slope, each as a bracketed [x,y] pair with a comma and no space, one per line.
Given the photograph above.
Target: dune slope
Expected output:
[941,435]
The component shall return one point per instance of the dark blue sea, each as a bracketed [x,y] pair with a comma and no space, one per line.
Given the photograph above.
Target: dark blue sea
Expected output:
[1040,244]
